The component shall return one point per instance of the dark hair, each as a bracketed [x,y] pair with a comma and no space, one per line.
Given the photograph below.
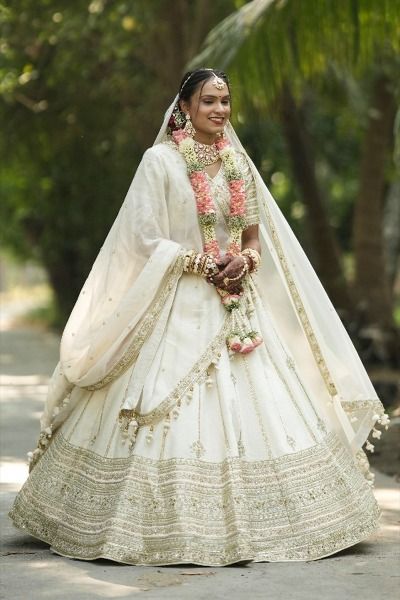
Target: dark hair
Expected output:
[191,80]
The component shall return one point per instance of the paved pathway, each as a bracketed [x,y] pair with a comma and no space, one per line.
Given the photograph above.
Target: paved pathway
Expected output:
[367,571]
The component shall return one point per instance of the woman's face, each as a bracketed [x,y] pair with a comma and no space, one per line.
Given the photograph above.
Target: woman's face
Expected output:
[209,110]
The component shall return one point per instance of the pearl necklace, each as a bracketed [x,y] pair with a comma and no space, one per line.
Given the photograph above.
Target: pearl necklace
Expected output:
[206,154]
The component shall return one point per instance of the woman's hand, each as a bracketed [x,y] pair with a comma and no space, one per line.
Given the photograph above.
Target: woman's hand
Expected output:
[230,266]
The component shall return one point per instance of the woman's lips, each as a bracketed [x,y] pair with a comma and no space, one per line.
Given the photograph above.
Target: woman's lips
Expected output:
[217,120]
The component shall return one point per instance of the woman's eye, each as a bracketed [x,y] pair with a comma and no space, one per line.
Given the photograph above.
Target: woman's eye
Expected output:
[227,102]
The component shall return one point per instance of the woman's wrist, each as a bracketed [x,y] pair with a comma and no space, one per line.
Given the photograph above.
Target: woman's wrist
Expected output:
[253,257]
[200,264]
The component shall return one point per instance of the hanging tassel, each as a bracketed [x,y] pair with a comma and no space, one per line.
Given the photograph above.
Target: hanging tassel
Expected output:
[189,396]
[149,436]
[209,380]
[370,447]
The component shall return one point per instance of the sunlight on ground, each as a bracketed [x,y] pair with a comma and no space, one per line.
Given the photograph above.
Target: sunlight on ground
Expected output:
[13,472]
[23,380]
[17,387]
[76,574]
[387,498]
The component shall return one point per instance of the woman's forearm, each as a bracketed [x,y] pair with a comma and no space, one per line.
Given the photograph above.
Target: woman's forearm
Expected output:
[250,238]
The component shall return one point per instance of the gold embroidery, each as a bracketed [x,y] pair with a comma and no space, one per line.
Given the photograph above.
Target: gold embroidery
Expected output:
[197,447]
[94,437]
[144,329]
[290,364]
[136,510]
[374,404]
[252,214]
[253,396]
[174,399]
[312,340]
[289,391]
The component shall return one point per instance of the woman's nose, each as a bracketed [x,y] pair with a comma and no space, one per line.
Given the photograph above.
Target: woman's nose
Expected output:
[222,108]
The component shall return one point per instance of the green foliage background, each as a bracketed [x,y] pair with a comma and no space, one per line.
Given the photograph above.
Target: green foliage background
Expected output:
[83,88]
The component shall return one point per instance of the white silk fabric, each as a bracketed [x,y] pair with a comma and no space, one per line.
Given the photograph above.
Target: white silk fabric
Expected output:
[141,255]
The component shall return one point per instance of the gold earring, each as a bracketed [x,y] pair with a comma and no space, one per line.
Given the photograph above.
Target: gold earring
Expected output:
[189,129]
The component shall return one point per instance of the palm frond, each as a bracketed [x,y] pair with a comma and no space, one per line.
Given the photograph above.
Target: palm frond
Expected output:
[267,42]
[224,40]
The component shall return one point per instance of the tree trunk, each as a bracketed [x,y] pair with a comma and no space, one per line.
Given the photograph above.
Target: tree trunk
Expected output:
[66,280]
[391,233]
[371,285]
[327,255]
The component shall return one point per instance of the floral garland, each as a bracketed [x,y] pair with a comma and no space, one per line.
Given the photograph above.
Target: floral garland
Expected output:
[241,339]
[204,202]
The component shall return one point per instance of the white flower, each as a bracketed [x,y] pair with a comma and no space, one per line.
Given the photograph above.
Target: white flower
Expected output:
[369,446]
[227,153]
[191,158]
[186,145]
[384,419]
[376,433]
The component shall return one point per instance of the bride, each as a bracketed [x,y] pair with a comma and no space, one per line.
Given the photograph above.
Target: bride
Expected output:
[208,406]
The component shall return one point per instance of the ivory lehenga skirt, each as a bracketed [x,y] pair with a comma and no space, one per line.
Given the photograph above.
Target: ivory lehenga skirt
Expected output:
[247,466]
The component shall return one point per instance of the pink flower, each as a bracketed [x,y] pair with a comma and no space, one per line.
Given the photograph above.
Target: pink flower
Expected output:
[229,298]
[238,197]
[222,143]
[212,248]
[179,135]
[230,301]
[234,249]
[257,341]
[234,343]
[246,348]
[202,193]
[247,345]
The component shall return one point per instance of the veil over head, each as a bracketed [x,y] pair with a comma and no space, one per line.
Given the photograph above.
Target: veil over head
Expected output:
[124,305]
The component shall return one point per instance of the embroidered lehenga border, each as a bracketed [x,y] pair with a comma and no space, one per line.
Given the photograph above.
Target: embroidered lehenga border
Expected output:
[135,510]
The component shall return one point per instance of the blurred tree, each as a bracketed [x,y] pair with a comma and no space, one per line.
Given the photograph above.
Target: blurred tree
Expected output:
[83,87]
[372,283]
[326,249]
[276,51]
